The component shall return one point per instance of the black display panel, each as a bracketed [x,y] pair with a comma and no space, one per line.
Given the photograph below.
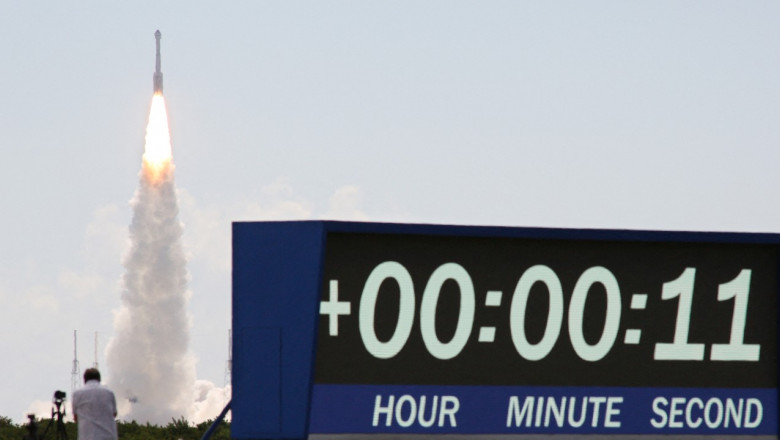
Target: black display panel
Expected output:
[439,310]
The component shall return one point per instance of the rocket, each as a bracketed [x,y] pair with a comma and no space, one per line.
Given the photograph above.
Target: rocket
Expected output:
[157,79]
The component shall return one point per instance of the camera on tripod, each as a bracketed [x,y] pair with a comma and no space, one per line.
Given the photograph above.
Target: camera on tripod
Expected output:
[57,414]
[59,397]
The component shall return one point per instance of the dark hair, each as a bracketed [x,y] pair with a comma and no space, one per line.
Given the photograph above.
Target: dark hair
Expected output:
[91,374]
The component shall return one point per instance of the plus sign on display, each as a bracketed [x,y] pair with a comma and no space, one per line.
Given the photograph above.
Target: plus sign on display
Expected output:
[343,330]
[333,308]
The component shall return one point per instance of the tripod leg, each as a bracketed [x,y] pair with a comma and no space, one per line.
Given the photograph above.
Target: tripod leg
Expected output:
[62,433]
[43,436]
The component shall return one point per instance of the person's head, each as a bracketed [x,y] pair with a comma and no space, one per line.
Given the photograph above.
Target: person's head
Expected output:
[91,374]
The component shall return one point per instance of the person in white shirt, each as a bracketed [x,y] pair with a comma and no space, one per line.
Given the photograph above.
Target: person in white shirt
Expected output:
[94,409]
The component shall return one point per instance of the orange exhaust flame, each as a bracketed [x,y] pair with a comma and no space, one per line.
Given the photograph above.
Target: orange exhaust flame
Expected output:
[158,154]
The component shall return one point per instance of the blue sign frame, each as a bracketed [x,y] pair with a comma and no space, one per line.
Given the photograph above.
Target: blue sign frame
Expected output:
[277,288]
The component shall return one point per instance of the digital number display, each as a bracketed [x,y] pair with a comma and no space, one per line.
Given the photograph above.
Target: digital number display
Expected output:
[476,335]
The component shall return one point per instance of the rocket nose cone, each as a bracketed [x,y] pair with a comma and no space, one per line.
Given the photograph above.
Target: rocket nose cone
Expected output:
[157,34]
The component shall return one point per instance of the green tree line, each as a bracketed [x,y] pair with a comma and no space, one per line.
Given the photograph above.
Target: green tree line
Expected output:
[175,430]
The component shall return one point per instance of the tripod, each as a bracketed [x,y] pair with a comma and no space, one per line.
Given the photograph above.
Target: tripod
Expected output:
[60,433]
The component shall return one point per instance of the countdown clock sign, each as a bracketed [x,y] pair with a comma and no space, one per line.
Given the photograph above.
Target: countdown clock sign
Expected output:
[356,329]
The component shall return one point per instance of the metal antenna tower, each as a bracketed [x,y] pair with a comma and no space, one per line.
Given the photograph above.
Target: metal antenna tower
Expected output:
[229,364]
[95,364]
[75,374]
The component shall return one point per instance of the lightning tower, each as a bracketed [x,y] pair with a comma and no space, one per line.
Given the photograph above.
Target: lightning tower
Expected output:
[229,363]
[95,365]
[75,373]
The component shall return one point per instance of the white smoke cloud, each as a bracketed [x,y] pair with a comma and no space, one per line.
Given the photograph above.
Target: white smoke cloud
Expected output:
[209,400]
[208,227]
[105,238]
[345,204]
[80,284]
[42,299]
[42,410]
[91,280]
[148,358]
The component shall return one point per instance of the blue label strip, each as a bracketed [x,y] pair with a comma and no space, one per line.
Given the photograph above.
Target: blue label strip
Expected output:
[425,409]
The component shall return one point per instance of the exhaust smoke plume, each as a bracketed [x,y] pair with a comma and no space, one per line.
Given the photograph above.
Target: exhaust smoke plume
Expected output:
[150,367]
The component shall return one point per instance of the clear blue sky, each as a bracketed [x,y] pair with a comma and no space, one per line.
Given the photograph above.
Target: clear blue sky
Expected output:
[601,114]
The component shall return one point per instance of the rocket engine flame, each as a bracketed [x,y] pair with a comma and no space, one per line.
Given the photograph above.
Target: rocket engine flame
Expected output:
[158,154]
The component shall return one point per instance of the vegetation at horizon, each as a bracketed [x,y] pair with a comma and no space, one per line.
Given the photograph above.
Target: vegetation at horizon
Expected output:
[175,430]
